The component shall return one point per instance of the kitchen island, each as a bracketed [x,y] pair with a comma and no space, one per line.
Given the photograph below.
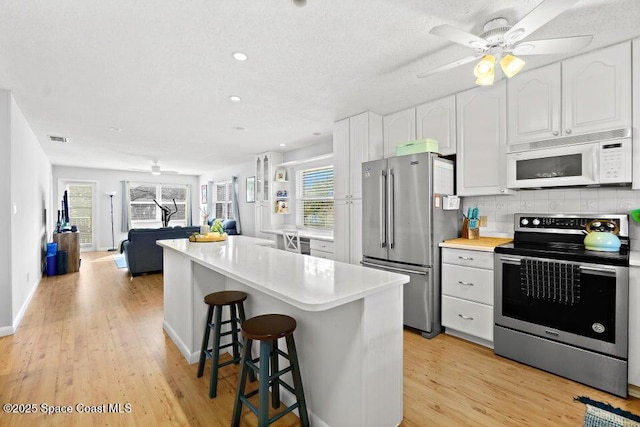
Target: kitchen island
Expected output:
[349,334]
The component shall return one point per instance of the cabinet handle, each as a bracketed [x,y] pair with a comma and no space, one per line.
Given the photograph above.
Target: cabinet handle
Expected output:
[465,317]
[465,258]
[465,283]
[555,133]
[568,131]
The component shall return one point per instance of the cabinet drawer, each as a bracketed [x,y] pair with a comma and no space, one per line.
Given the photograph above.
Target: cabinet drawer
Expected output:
[469,258]
[321,245]
[322,254]
[470,283]
[468,317]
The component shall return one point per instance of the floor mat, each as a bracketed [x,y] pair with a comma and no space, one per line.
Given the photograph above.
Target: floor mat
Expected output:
[120,261]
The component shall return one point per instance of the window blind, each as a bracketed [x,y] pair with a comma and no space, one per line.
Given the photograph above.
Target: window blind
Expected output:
[314,203]
[224,201]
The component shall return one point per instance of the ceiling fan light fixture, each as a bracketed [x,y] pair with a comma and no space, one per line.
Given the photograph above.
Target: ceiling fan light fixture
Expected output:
[511,65]
[155,170]
[485,80]
[485,67]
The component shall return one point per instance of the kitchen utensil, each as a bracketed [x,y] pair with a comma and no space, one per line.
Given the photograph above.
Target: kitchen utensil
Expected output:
[602,236]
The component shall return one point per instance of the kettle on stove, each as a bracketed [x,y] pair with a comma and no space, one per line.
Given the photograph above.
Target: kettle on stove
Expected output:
[602,236]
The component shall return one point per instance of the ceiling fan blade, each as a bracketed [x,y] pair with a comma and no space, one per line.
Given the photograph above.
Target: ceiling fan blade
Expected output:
[459,36]
[550,46]
[448,66]
[535,19]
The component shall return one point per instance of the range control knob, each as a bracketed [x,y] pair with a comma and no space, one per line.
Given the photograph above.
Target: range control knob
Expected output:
[536,222]
[524,221]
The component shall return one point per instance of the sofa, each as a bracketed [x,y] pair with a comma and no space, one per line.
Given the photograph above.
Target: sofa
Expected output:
[141,251]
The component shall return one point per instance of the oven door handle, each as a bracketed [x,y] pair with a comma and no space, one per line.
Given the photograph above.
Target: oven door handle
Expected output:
[511,260]
[602,271]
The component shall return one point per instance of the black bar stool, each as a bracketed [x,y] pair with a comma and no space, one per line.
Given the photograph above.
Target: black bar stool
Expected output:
[267,329]
[216,302]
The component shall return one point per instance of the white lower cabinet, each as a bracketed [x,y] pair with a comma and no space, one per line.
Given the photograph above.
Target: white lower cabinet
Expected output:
[634,321]
[467,294]
[321,248]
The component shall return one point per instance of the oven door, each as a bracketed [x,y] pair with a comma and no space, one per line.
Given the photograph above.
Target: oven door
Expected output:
[558,166]
[581,304]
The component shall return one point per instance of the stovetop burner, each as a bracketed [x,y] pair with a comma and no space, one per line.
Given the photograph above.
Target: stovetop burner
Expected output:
[560,237]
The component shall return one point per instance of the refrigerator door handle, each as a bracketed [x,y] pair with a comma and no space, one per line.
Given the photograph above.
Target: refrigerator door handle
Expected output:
[383,197]
[395,269]
[391,205]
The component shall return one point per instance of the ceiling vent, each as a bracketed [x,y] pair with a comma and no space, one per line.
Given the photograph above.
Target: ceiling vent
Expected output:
[58,139]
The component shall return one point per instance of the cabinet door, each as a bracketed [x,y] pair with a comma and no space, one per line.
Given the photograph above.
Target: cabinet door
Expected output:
[341,159]
[398,128]
[636,116]
[258,179]
[365,144]
[634,324]
[437,120]
[481,158]
[341,230]
[355,231]
[596,91]
[533,105]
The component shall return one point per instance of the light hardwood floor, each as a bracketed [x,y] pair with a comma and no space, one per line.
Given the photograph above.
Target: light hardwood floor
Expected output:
[95,337]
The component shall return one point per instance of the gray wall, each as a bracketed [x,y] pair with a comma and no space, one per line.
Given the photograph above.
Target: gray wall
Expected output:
[107,180]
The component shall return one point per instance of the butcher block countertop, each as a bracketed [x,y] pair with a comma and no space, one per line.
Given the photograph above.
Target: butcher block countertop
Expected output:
[486,244]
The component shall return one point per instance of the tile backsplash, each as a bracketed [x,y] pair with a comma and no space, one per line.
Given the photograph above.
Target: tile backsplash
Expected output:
[500,209]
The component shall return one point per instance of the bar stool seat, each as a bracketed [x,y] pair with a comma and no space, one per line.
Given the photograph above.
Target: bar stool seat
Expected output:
[216,302]
[267,329]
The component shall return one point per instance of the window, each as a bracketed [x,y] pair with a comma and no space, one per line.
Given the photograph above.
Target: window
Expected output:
[81,211]
[314,192]
[145,213]
[224,203]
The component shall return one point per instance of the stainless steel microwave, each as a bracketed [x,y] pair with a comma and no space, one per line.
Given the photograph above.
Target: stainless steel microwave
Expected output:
[592,163]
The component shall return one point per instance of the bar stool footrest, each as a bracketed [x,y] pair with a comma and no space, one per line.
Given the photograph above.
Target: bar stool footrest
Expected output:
[245,401]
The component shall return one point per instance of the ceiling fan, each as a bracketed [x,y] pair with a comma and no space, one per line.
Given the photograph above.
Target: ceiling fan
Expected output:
[155,170]
[502,42]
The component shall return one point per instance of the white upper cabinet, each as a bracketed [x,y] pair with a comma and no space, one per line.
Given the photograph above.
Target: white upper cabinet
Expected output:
[533,101]
[586,94]
[482,138]
[636,119]
[437,120]
[341,159]
[596,91]
[399,128]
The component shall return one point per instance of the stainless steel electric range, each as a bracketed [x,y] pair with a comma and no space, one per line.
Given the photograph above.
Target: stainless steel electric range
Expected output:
[560,307]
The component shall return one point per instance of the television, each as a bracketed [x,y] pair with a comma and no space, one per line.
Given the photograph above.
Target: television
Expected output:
[65,208]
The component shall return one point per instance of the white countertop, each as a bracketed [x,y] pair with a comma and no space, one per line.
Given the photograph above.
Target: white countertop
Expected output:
[327,236]
[308,283]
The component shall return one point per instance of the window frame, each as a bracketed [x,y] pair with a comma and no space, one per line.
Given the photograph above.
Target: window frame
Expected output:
[227,203]
[301,200]
[157,221]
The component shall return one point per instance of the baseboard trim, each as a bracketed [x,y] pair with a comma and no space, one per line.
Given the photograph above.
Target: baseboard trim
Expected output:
[178,342]
[6,330]
[634,390]
[23,309]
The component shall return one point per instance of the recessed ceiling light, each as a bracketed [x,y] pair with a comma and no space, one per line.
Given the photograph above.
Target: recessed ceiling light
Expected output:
[239,128]
[115,129]
[234,98]
[282,145]
[239,56]
[317,133]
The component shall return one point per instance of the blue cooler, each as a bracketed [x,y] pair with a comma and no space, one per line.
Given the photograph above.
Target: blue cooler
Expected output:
[51,265]
[52,249]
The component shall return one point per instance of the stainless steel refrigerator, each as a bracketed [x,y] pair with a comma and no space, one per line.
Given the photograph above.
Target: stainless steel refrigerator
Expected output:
[403,221]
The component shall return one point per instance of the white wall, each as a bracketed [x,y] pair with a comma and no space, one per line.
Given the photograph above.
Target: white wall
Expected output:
[242,172]
[110,180]
[5,216]
[500,209]
[25,188]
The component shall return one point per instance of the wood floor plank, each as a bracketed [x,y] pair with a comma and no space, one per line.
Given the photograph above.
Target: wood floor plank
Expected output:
[95,337]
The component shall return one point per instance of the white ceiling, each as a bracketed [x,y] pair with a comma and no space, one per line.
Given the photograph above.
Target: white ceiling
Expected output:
[161,71]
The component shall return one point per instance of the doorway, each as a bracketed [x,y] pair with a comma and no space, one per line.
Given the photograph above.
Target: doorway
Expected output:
[82,208]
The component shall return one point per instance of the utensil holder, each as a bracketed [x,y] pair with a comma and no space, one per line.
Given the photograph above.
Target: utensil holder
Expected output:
[469,233]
